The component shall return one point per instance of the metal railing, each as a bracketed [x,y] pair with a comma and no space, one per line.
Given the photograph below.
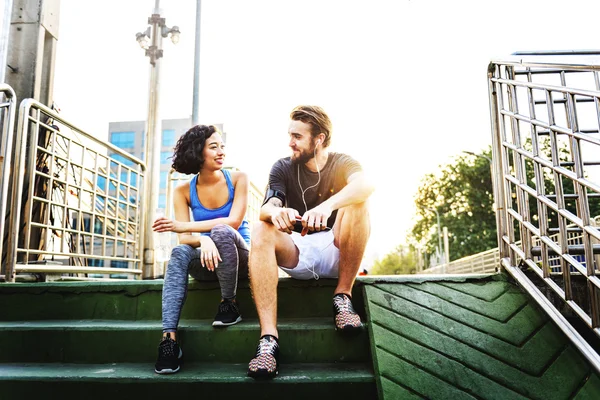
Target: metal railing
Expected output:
[8,102]
[545,117]
[77,200]
[488,261]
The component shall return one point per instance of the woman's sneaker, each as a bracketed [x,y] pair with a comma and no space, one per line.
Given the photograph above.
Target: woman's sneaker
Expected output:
[169,357]
[228,314]
[344,317]
[265,364]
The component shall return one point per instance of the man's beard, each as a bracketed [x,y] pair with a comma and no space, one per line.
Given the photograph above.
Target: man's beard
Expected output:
[304,156]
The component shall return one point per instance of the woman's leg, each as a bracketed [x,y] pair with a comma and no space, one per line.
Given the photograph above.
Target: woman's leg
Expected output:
[234,255]
[175,285]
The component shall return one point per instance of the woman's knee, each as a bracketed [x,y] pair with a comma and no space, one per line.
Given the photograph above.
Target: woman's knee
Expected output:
[221,232]
[183,253]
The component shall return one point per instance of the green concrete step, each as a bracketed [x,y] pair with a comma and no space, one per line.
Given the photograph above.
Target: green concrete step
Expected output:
[306,340]
[471,339]
[195,380]
[141,300]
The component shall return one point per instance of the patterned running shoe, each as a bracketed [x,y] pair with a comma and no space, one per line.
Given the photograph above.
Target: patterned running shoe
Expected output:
[264,364]
[344,316]
[169,357]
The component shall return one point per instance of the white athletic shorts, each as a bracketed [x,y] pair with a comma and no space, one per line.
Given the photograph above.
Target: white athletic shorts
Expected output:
[319,258]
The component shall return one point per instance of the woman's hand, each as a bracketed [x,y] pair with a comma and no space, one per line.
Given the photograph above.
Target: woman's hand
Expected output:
[164,224]
[209,254]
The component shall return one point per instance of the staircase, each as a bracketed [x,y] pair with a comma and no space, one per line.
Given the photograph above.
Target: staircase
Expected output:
[98,340]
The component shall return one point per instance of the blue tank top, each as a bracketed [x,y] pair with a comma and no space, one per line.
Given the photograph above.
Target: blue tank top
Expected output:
[201,213]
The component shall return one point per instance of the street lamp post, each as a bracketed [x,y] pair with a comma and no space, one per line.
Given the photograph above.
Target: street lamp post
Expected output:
[151,41]
[439,230]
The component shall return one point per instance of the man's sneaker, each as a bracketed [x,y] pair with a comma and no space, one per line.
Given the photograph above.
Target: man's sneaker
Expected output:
[169,357]
[228,314]
[264,365]
[344,316]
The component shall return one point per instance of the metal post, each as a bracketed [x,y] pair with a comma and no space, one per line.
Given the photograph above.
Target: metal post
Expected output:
[157,30]
[439,234]
[446,251]
[196,92]
[4,36]
[153,142]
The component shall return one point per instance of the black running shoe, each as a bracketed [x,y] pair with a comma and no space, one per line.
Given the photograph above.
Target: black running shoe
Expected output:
[169,357]
[228,314]
[344,316]
[265,364]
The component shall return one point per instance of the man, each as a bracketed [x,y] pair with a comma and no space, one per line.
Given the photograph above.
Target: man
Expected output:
[329,192]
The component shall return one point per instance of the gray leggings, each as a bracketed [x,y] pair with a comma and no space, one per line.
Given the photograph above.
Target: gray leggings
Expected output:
[185,260]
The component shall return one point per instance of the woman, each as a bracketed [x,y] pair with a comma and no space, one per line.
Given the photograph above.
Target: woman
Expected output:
[217,199]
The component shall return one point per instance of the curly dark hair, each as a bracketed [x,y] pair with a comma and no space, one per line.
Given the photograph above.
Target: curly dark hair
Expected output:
[187,154]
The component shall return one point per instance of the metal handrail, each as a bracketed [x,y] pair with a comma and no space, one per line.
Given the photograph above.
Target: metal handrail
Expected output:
[7,116]
[107,224]
[488,261]
[553,99]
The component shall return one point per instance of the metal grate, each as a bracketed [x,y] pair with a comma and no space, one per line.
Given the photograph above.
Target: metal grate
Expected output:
[80,200]
[545,114]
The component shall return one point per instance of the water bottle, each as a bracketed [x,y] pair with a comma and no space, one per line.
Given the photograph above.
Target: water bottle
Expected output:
[162,241]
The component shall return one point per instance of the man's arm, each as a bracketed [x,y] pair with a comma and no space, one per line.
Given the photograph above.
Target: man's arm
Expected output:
[356,191]
[274,212]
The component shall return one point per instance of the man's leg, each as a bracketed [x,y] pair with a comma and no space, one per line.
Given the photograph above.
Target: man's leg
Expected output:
[351,232]
[270,249]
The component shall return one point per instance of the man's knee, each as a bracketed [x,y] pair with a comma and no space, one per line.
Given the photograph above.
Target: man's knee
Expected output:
[355,211]
[263,233]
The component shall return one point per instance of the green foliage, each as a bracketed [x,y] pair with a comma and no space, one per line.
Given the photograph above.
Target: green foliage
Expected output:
[462,195]
[399,262]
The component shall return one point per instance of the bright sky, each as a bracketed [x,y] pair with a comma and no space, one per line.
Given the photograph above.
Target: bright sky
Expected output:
[404,81]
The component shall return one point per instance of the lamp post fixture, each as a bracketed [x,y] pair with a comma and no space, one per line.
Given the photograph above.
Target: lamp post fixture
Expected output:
[479,155]
[151,41]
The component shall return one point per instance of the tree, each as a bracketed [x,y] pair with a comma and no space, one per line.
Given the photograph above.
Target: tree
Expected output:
[462,195]
[400,261]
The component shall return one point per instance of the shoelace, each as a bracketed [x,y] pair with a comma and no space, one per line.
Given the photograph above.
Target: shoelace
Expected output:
[342,304]
[227,306]
[167,347]
[266,346]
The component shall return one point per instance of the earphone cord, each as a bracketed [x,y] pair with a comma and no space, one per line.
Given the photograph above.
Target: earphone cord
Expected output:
[315,275]
[310,187]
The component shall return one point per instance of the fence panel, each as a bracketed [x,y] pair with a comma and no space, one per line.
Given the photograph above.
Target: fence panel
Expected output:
[80,200]
[545,113]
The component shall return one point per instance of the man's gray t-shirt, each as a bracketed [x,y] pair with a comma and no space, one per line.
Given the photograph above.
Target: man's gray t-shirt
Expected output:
[334,176]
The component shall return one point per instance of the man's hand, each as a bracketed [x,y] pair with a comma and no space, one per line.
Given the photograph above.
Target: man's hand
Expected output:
[316,219]
[164,224]
[284,219]
[209,254]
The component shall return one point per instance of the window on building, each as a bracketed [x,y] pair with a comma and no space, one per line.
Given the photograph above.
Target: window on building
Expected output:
[121,159]
[168,137]
[123,140]
[163,179]
[165,157]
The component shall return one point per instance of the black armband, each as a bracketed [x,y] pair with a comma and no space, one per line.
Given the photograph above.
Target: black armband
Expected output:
[274,193]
